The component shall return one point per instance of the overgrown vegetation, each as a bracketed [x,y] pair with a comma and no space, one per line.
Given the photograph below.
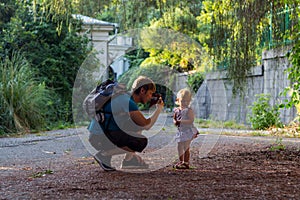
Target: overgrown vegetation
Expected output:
[195,80]
[220,34]
[24,101]
[263,115]
[54,53]
[232,32]
[293,92]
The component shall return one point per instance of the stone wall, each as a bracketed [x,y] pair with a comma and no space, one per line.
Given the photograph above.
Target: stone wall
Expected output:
[215,100]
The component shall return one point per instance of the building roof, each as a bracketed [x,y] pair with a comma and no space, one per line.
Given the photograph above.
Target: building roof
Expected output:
[92,21]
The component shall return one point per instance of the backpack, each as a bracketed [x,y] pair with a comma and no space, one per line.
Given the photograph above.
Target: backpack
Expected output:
[95,101]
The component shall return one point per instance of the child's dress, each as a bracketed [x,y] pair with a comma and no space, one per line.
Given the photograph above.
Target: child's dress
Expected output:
[185,131]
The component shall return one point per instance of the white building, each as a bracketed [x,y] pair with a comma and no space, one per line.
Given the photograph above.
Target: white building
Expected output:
[110,46]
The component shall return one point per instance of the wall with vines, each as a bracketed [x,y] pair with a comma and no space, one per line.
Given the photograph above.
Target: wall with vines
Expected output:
[269,78]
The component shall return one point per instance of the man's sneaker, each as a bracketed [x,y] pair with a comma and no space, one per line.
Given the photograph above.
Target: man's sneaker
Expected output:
[104,162]
[134,164]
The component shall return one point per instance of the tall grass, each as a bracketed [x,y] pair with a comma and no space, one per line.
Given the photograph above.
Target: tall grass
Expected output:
[23,100]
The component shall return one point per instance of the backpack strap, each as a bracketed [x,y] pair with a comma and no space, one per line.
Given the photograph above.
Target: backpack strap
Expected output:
[101,113]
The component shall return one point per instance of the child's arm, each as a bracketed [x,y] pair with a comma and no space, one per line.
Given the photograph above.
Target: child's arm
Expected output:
[174,118]
[175,121]
[190,119]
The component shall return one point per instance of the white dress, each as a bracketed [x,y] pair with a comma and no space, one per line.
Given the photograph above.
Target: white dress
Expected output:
[185,131]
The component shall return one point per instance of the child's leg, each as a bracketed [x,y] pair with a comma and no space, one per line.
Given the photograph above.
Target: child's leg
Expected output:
[186,155]
[181,150]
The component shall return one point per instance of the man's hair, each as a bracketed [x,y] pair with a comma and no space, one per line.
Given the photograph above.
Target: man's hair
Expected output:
[143,82]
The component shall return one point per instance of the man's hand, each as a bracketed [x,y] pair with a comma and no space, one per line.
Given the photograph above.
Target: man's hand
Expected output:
[160,103]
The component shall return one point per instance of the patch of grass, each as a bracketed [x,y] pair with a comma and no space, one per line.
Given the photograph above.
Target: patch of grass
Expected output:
[207,123]
[255,133]
[203,123]
[41,173]
[234,125]
[68,151]
[277,146]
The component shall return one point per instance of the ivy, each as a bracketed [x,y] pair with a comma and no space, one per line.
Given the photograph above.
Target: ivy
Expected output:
[237,33]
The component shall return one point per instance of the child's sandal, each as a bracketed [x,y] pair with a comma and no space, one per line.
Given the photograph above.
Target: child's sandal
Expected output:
[182,166]
[177,165]
[187,166]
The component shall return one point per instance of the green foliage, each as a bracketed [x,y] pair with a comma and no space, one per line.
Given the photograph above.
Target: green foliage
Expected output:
[7,10]
[234,125]
[264,115]
[132,14]
[42,173]
[170,41]
[136,57]
[195,80]
[24,101]
[137,14]
[161,75]
[278,145]
[92,8]
[179,20]
[293,72]
[55,55]
[204,123]
[232,31]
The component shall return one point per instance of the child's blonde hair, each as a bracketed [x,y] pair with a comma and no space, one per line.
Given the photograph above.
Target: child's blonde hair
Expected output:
[183,94]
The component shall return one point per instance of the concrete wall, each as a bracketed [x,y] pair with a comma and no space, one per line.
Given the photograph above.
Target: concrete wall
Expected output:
[215,100]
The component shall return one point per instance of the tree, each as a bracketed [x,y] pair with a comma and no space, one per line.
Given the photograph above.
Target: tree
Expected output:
[170,40]
[234,33]
[54,52]
[7,10]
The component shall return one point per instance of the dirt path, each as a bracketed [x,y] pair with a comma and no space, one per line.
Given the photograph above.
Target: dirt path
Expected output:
[57,165]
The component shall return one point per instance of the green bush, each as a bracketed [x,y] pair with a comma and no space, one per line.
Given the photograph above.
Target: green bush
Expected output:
[195,80]
[55,55]
[23,101]
[263,114]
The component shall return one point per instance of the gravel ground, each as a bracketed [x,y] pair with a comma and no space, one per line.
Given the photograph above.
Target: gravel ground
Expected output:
[59,165]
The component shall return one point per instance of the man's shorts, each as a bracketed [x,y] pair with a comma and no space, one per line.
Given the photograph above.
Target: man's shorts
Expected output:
[134,141]
[100,142]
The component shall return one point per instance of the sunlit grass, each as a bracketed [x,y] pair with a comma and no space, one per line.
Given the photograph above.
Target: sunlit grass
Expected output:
[206,123]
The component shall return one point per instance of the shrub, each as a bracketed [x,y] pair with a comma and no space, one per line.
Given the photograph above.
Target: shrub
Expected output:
[195,80]
[263,114]
[23,101]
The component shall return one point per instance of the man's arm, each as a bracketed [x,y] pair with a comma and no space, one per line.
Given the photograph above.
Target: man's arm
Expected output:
[138,117]
[154,117]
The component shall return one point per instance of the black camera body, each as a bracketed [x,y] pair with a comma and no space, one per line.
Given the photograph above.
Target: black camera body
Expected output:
[154,99]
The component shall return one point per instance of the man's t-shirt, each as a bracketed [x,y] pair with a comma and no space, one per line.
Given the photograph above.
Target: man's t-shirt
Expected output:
[117,113]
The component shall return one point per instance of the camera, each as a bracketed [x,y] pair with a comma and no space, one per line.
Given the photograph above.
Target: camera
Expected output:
[154,99]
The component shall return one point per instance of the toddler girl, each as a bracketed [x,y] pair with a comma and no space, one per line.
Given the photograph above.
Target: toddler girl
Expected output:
[183,118]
